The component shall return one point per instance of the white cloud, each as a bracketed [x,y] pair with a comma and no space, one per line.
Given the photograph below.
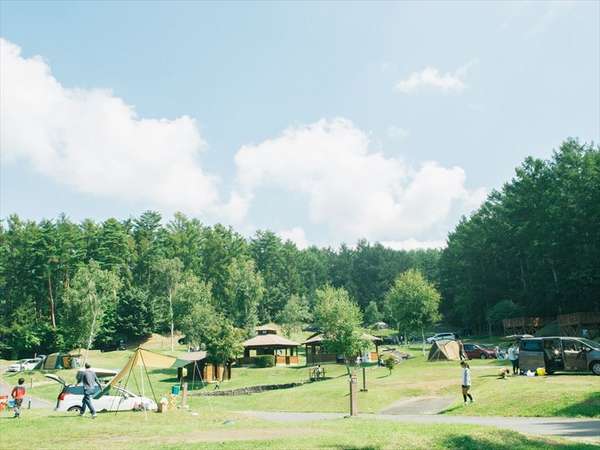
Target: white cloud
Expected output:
[350,189]
[414,244]
[93,141]
[431,78]
[399,133]
[296,235]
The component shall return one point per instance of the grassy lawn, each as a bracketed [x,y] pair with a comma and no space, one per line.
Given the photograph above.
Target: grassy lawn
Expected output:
[557,395]
[212,422]
[218,429]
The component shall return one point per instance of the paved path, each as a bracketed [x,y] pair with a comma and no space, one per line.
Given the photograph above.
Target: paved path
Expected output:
[5,389]
[580,429]
[420,405]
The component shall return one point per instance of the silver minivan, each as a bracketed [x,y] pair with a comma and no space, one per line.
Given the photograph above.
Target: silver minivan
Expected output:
[555,354]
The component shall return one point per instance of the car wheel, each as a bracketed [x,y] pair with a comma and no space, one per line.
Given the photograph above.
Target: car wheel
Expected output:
[483,356]
[76,409]
[596,367]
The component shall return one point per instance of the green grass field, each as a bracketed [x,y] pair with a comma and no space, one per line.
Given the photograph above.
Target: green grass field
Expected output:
[208,429]
[557,395]
[205,424]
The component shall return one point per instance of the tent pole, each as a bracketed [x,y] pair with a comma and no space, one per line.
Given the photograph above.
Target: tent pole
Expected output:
[149,382]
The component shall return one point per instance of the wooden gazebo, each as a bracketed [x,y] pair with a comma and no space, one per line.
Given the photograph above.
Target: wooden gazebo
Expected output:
[268,342]
[315,352]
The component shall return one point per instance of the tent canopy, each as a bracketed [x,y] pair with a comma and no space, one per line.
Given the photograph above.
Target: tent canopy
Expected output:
[143,357]
[444,351]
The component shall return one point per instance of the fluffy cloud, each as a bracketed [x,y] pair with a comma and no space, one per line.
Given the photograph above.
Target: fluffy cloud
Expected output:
[296,235]
[352,190]
[431,78]
[96,143]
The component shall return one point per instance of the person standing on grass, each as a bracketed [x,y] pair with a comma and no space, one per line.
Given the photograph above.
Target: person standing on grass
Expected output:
[466,382]
[513,356]
[18,394]
[89,380]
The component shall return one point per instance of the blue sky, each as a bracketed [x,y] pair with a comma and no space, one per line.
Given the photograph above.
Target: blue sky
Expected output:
[325,122]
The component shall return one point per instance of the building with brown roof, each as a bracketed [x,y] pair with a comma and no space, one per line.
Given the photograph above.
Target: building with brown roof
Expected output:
[268,342]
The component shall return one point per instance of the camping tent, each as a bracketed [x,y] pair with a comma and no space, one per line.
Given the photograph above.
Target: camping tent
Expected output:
[444,351]
[59,361]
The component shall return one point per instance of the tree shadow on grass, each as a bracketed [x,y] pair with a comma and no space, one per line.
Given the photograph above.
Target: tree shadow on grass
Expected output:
[588,407]
[508,441]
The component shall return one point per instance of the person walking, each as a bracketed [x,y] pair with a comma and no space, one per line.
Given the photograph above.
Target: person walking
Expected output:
[513,356]
[466,382]
[18,394]
[89,380]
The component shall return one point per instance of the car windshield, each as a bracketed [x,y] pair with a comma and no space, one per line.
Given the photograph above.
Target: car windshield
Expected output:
[590,343]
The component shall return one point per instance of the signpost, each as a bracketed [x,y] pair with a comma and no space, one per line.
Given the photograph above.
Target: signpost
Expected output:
[353,395]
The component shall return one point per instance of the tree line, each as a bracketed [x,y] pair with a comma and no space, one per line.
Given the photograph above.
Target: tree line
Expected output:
[532,248]
[65,284]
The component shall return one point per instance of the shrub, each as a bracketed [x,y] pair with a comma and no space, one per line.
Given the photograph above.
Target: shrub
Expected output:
[264,361]
[389,363]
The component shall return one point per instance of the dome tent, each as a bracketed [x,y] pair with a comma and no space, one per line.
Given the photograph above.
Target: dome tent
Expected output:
[444,351]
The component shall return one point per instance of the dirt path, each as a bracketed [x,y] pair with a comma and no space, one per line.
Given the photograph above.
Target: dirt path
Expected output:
[579,429]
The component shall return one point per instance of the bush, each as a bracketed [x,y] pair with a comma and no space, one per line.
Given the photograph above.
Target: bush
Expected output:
[389,363]
[264,361]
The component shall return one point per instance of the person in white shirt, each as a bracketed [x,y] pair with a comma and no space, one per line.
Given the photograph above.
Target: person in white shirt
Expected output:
[466,382]
[513,356]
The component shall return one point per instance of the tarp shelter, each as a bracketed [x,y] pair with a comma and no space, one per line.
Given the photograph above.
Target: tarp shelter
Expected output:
[59,361]
[143,358]
[444,351]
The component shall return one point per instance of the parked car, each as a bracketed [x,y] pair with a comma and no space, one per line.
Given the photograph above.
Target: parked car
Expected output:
[475,351]
[441,337]
[559,354]
[24,364]
[71,396]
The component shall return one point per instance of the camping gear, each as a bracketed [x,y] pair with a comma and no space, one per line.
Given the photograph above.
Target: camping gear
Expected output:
[3,402]
[444,351]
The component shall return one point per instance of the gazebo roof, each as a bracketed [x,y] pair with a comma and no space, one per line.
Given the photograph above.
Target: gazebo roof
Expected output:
[269,340]
[193,356]
[318,339]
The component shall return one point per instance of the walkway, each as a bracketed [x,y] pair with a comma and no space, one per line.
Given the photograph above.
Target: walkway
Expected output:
[580,429]
[5,389]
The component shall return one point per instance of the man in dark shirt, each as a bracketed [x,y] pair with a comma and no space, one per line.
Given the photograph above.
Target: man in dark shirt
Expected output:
[89,380]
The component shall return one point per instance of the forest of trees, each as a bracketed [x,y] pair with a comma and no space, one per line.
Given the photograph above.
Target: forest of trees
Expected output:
[533,248]
[49,268]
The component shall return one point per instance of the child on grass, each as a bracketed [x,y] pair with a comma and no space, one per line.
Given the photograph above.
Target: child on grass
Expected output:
[18,394]
[466,382]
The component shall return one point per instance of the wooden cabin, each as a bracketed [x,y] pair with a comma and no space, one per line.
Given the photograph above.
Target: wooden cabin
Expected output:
[523,325]
[316,350]
[201,370]
[580,324]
